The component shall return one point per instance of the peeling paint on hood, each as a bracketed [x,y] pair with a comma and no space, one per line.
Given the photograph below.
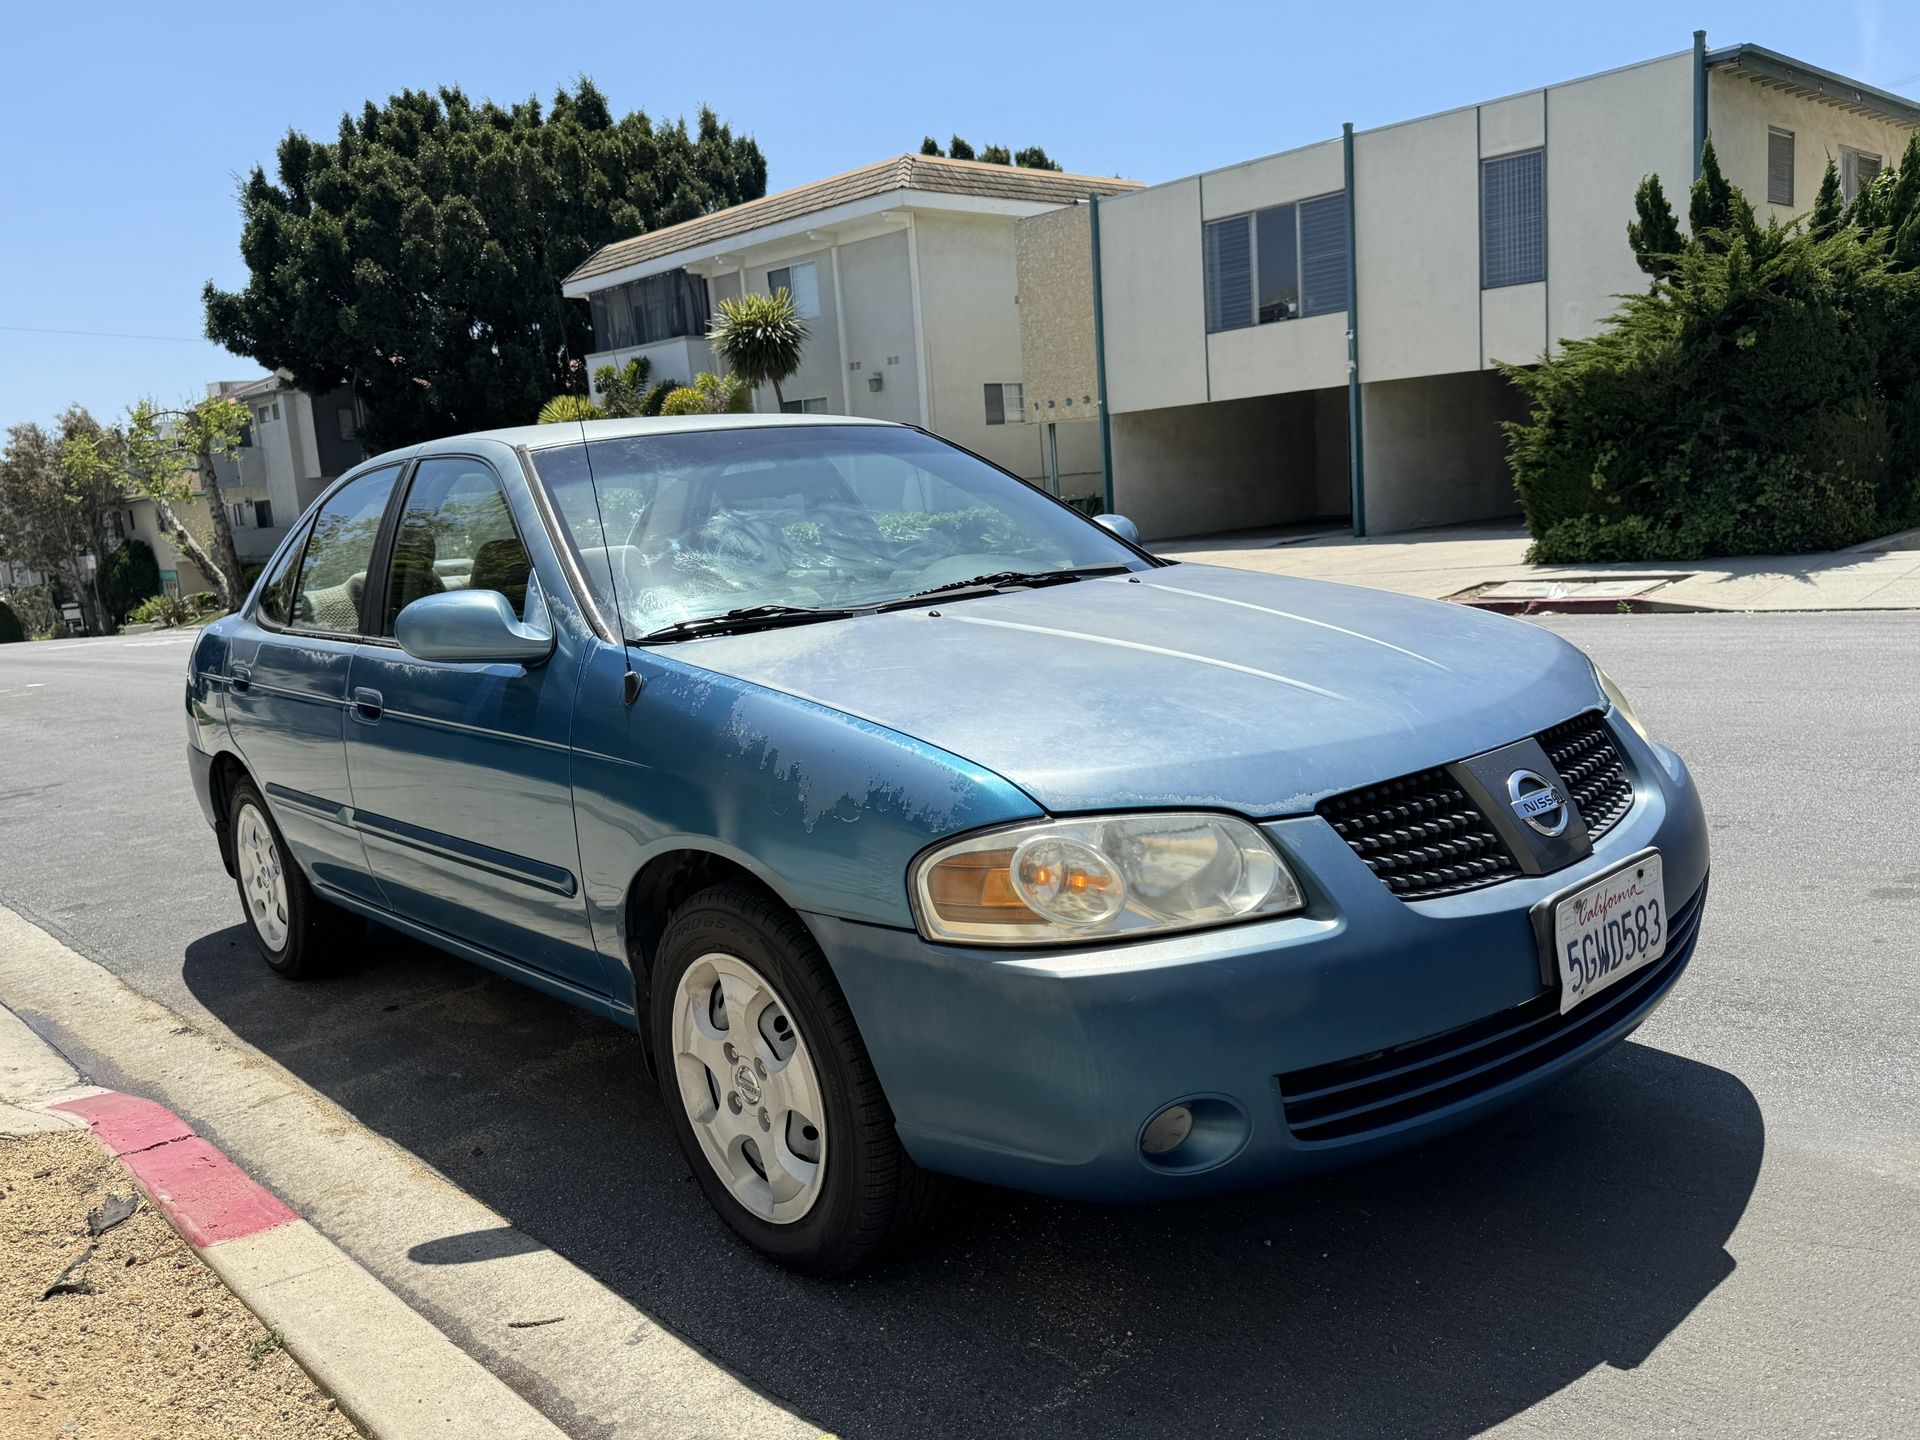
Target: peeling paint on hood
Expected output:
[1186,685]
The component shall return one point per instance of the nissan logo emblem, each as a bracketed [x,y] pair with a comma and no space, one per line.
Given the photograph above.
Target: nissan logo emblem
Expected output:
[1539,803]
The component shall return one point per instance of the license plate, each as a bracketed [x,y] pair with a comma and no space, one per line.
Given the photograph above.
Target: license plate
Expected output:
[1607,931]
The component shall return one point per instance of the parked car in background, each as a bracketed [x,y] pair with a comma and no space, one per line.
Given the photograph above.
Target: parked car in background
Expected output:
[921,826]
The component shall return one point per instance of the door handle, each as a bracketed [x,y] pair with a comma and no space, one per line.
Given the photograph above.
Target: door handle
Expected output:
[241,677]
[368,707]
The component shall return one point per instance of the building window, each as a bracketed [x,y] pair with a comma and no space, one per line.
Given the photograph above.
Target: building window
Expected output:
[1006,404]
[344,418]
[800,281]
[263,514]
[1857,167]
[1276,264]
[660,307]
[804,407]
[276,409]
[1779,166]
[1513,219]
[235,514]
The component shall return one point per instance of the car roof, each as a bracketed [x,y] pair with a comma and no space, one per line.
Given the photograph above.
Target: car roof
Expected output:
[540,437]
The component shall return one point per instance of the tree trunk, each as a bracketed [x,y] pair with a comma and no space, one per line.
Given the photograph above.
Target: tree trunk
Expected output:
[779,400]
[224,552]
[196,553]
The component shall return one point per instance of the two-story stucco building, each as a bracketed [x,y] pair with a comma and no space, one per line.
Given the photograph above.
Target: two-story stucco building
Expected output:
[905,272]
[1285,337]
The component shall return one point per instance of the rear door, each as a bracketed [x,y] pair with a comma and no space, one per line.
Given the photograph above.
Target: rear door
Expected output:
[460,772]
[288,695]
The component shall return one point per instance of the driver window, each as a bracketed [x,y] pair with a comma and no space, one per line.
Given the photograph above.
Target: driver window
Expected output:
[456,533]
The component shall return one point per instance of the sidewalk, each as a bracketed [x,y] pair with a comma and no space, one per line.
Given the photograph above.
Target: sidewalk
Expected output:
[1883,575]
[135,1349]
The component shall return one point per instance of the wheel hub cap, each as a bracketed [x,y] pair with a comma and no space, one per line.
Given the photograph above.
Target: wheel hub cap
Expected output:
[748,1083]
[263,883]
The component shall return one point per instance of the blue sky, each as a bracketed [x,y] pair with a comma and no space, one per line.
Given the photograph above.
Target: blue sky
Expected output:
[123,131]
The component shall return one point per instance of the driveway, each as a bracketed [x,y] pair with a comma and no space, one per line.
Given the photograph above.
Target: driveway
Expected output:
[1707,1233]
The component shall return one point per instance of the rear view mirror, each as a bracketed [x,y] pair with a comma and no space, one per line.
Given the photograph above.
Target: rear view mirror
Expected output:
[475,626]
[1121,526]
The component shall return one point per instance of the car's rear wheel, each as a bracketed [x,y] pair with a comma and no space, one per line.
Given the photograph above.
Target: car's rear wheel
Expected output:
[298,933]
[770,1090]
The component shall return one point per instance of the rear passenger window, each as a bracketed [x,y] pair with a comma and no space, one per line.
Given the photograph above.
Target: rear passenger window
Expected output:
[276,596]
[333,576]
[456,533]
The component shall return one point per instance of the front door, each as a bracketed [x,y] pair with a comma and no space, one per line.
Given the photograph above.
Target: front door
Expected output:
[460,779]
[288,676]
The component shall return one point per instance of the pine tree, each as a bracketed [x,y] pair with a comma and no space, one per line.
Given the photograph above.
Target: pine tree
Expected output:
[959,149]
[1828,207]
[1717,212]
[931,146]
[1655,233]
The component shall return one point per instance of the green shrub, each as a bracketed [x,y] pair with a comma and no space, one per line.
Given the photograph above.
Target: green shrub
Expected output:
[709,395]
[1761,397]
[163,609]
[12,632]
[562,409]
[128,575]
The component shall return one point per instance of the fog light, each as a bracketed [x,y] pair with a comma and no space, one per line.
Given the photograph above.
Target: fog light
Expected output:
[1167,1131]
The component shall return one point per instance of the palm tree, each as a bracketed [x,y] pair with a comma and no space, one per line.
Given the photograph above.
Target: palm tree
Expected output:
[760,337]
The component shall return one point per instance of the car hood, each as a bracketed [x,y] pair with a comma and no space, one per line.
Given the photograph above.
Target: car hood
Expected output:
[1185,685]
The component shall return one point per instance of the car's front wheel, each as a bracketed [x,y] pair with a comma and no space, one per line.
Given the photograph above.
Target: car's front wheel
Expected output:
[298,933]
[770,1091]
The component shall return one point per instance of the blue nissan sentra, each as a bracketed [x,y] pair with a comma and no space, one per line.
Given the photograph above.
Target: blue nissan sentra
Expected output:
[922,826]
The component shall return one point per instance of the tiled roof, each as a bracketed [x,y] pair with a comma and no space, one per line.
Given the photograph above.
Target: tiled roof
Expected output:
[903,172]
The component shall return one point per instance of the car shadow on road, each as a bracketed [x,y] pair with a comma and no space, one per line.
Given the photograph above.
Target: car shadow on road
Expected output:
[1434,1294]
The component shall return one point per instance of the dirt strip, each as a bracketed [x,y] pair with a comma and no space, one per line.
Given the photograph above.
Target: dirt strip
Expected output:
[137,1339]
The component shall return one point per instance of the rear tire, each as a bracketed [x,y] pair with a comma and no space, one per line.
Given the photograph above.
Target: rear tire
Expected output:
[752,1037]
[298,934]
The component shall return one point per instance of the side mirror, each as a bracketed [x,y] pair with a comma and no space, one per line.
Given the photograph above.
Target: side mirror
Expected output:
[1121,526]
[475,626]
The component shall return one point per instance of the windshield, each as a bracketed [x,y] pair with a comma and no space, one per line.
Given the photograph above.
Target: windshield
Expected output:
[693,524]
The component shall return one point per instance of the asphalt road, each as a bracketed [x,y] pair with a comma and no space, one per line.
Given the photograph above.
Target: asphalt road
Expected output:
[1710,1232]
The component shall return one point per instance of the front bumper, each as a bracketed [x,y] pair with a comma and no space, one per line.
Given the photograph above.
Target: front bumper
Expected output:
[1039,1069]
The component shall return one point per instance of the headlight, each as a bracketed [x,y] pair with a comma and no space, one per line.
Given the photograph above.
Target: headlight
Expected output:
[1108,877]
[1618,699]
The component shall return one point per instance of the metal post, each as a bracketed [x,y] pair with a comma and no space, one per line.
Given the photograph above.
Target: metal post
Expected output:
[1100,361]
[1053,459]
[1699,98]
[1356,444]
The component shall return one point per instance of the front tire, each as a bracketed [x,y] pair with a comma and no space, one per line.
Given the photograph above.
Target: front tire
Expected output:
[770,1091]
[298,934]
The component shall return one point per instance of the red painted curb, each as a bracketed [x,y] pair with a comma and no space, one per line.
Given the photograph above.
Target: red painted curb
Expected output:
[207,1197]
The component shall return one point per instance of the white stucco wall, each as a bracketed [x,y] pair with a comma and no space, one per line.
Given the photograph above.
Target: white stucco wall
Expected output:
[877,303]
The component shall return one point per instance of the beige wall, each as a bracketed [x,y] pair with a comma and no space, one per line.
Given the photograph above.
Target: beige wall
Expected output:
[1195,469]
[1416,195]
[1739,111]
[1053,269]
[1435,452]
[1154,295]
[193,514]
[1604,135]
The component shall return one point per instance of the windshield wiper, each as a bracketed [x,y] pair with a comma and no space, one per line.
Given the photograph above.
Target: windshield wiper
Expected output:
[1007,579]
[751,617]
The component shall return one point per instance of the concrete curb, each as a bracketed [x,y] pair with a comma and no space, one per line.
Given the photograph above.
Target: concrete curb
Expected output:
[391,1371]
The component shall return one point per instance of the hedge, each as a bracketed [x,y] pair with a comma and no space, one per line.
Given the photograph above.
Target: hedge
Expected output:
[1761,397]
